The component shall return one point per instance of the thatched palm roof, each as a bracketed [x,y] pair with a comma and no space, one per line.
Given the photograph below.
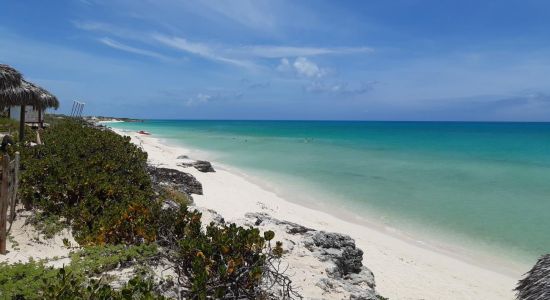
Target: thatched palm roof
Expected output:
[29,94]
[536,285]
[9,77]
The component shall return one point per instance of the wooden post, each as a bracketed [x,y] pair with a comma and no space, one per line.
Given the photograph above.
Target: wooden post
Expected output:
[4,202]
[22,124]
[15,182]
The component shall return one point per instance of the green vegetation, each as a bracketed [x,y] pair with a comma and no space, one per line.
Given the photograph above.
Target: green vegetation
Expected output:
[94,179]
[169,193]
[22,281]
[67,286]
[95,260]
[96,182]
[49,225]
[34,280]
[223,260]
[12,126]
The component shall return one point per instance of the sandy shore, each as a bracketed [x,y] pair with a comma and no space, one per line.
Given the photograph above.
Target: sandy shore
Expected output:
[403,270]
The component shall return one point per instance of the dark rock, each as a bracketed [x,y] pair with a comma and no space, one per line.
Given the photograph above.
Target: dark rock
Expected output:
[350,261]
[332,240]
[363,294]
[181,181]
[348,267]
[183,157]
[203,166]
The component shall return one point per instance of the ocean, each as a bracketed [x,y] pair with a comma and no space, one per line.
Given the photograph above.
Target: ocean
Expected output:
[479,186]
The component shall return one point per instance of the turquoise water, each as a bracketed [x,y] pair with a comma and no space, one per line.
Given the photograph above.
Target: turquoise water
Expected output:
[484,184]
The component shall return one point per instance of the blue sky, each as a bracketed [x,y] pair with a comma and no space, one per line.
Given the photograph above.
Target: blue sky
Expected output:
[359,60]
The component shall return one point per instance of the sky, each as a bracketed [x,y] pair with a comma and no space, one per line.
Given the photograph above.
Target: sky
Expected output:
[308,60]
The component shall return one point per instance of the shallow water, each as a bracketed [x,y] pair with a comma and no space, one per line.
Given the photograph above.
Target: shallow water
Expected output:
[484,185]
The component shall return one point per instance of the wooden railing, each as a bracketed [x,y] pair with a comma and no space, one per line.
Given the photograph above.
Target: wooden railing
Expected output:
[8,195]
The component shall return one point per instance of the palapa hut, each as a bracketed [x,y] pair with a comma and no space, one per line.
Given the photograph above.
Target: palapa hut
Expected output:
[536,285]
[36,100]
[23,97]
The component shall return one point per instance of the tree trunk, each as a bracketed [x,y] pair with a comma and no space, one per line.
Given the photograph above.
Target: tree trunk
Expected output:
[22,124]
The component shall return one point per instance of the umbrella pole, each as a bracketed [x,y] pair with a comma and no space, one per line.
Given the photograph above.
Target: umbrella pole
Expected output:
[22,124]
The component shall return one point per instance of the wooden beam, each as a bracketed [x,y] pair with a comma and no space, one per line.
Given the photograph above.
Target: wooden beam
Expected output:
[22,124]
[4,202]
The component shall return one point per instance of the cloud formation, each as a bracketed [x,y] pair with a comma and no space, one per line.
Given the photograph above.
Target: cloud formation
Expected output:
[199,49]
[294,51]
[208,97]
[117,45]
[302,67]
[340,87]
[242,56]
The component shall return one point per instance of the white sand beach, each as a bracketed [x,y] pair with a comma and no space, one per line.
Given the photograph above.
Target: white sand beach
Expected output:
[402,269]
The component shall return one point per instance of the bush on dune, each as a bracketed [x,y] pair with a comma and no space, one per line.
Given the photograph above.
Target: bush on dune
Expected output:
[223,261]
[95,179]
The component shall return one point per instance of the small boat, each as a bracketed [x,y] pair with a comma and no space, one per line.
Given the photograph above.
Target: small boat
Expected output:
[144,132]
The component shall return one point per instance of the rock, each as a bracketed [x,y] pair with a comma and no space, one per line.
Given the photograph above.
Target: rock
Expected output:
[203,166]
[181,181]
[327,285]
[364,277]
[291,228]
[169,204]
[210,215]
[345,271]
[348,267]
[332,240]
[350,261]
[363,294]
[183,157]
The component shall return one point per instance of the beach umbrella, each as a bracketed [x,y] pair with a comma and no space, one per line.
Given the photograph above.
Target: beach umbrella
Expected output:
[25,94]
[536,284]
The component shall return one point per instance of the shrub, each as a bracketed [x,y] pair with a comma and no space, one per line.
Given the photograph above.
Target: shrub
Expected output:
[69,286]
[22,281]
[224,261]
[95,179]
[34,280]
[94,260]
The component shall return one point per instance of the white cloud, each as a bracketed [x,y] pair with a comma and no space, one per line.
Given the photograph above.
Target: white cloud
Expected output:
[340,87]
[284,65]
[292,51]
[116,45]
[250,13]
[200,98]
[199,49]
[242,56]
[307,68]
[301,67]
[213,96]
